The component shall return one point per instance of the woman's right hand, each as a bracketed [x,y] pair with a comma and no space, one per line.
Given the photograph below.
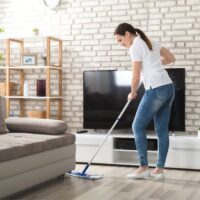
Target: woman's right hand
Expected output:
[167,56]
[131,96]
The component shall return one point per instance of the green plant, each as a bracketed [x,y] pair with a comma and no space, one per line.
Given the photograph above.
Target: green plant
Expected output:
[1,56]
[2,29]
[35,30]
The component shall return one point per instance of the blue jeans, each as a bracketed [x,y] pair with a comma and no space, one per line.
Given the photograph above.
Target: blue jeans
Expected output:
[155,104]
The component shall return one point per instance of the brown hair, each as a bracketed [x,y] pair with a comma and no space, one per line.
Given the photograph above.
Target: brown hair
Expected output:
[122,28]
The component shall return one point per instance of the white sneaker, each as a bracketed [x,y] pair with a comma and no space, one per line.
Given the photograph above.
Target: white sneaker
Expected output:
[141,175]
[158,176]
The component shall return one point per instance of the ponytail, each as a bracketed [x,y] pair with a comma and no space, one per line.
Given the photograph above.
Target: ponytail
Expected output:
[122,28]
[145,38]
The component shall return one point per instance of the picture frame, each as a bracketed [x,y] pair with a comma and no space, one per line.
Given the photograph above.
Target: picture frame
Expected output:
[29,59]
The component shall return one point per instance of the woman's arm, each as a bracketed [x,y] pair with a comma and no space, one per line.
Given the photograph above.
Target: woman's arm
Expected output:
[136,70]
[167,56]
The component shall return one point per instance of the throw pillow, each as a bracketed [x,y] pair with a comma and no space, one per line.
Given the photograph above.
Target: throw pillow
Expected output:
[3,128]
[34,125]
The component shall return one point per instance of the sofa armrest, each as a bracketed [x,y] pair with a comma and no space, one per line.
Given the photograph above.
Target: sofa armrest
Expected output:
[34,125]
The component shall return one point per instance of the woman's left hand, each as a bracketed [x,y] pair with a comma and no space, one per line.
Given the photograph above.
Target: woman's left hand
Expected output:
[132,96]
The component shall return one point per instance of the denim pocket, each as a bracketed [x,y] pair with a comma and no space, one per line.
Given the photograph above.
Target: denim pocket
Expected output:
[163,92]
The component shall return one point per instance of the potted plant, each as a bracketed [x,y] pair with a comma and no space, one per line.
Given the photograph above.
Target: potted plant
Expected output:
[2,30]
[1,58]
[44,58]
[36,31]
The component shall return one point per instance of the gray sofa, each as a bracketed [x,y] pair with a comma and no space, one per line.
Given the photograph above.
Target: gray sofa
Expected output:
[32,152]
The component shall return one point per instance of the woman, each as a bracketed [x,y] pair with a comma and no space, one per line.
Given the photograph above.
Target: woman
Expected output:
[148,58]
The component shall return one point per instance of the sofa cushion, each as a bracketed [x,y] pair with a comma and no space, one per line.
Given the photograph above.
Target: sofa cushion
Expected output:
[34,125]
[3,128]
[15,145]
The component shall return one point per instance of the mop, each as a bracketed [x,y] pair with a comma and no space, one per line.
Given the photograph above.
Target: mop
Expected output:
[83,174]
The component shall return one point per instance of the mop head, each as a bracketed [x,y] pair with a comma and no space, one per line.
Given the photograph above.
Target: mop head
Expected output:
[84,175]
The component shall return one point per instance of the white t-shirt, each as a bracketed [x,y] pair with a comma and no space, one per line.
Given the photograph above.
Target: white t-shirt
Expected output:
[154,74]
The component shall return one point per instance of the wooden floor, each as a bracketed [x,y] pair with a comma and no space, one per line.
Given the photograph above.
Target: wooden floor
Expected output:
[178,185]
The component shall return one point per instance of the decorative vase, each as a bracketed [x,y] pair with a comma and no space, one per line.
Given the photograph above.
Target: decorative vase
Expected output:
[41,88]
[25,88]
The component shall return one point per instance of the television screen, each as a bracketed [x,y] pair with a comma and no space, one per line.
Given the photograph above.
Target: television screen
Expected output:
[105,94]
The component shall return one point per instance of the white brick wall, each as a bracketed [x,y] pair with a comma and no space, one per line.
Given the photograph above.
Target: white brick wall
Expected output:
[87,26]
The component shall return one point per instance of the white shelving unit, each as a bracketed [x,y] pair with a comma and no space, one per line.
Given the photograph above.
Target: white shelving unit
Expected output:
[17,47]
[87,144]
[183,151]
[124,149]
[32,67]
[32,97]
[111,152]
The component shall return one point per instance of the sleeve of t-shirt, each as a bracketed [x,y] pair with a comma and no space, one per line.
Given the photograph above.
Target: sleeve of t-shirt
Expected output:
[135,52]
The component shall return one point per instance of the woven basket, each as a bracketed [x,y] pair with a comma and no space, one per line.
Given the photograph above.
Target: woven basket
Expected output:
[37,114]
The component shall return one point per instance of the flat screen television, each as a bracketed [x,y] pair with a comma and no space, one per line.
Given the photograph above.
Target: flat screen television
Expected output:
[105,94]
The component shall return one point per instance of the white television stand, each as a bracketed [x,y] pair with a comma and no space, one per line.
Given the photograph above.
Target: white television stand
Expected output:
[119,149]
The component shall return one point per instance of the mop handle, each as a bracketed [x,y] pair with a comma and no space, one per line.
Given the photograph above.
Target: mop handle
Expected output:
[113,126]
